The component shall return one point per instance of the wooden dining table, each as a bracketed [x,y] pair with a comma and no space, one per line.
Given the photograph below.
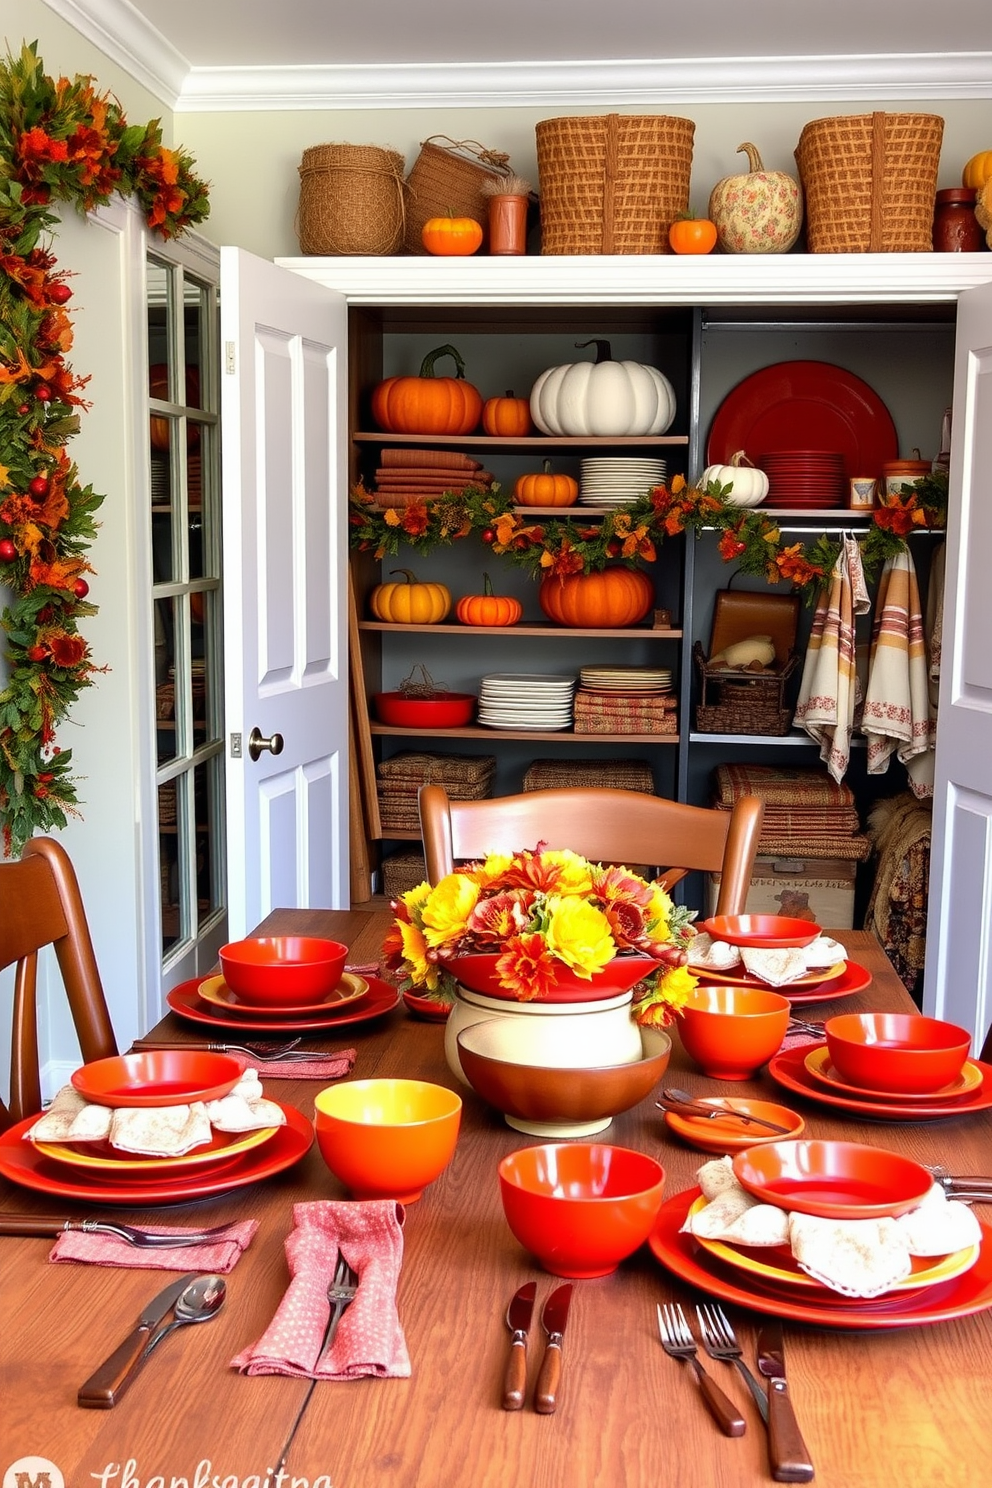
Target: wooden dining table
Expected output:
[906,1406]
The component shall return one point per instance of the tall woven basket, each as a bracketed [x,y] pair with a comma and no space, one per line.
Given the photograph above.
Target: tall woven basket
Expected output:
[612,183]
[870,181]
[447,178]
[351,200]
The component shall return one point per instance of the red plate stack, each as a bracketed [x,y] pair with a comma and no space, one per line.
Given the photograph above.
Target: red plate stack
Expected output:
[805,478]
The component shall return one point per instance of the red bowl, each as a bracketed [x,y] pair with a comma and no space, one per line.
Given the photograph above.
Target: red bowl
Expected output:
[158,1077]
[477,972]
[580,1207]
[838,1180]
[762,931]
[901,1053]
[450,711]
[732,1031]
[283,970]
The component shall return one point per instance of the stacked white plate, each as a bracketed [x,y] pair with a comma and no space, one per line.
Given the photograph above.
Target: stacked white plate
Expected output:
[526,700]
[632,681]
[615,481]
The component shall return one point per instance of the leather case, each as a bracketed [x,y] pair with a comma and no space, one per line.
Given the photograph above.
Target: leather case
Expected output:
[738,613]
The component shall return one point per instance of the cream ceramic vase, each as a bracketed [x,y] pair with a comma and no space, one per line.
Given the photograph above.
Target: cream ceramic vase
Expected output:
[565,1035]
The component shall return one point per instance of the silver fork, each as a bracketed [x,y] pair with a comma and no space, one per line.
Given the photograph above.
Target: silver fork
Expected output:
[341,1290]
[720,1342]
[145,1240]
[262,1052]
[678,1342]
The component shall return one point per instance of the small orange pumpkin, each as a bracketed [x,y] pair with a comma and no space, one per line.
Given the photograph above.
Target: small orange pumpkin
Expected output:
[545,489]
[507,416]
[608,600]
[692,235]
[978,170]
[428,404]
[488,608]
[458,236]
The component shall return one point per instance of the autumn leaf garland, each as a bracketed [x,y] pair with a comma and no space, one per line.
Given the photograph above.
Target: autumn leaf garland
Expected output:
[60,141]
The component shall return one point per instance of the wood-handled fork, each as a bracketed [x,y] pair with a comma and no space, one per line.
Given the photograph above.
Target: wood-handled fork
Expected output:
[678,1342]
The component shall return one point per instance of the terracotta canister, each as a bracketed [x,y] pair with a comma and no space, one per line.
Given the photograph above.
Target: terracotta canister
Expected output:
[508,225]
[899,473]
[955,227]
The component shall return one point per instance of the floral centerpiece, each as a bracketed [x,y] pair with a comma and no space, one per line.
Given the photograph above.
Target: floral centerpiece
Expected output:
[544,916]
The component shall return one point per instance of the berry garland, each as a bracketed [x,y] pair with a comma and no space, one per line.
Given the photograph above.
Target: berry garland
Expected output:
[633,533]
[60,141]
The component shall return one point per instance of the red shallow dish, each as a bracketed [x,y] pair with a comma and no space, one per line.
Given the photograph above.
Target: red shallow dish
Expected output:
[277,971]
[896,1053]
[159,1077]
[450,711]
[477,972]
[762,931]
[838,1180]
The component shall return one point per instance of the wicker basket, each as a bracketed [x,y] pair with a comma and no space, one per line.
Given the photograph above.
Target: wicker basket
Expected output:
[401,872]
[612,183]
[612,774]
[447,177]
[351,200]
[740,702]
[870,181]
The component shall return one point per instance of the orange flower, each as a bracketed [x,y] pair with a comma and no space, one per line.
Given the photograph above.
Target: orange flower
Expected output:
[67,650]
[527,968]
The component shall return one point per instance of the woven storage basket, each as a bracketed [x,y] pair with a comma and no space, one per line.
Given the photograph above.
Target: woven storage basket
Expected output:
[401,872]
[351,200]
[612,183]
[740,702]
[870,181]
[612,774]
[446,178]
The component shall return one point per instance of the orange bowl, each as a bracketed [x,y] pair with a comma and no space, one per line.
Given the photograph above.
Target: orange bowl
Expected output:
[732,1031]
[837,1180]
[902,1053]
[580,1207]
[158,1077]
[387,1139]
[763,931]
[283,970]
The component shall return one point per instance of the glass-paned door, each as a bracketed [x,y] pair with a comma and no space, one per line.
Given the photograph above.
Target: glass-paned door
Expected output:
[183,388]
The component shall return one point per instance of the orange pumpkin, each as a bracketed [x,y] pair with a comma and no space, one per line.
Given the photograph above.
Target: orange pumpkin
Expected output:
[488,608]
[597,601]
[545,489]
[978,170]
[428,404]
[450,235]
[507,416]
[692,235]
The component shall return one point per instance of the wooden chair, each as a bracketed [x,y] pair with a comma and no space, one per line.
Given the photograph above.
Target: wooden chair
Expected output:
[40,905]
[605,826]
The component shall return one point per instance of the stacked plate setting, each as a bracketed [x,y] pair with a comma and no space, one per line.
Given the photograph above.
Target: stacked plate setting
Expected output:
[618,481]
[526,700]
[805,478]
[626,681]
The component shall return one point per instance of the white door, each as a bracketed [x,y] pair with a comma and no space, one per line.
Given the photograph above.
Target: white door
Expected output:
[284,410]
[958,983]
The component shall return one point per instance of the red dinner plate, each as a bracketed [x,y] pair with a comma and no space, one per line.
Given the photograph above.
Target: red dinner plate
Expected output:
[831,979]
[678,1253]
[823,1072]
[21,1162]
[823,405]
[380,998]
[788,1069]
[215,991]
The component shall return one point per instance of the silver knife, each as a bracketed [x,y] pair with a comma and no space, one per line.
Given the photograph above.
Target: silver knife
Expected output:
[107,1384]
[787,1452]
[553,1319]
[518,1316]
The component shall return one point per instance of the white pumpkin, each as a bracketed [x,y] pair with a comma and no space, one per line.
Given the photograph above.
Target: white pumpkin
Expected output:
[749,486]
[602,398]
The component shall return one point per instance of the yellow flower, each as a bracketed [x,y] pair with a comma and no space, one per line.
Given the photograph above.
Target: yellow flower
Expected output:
[446,910]
[659,914]
[579,934]
[492,869]
[422,971]
[414,899]
[676,985]
[574,873]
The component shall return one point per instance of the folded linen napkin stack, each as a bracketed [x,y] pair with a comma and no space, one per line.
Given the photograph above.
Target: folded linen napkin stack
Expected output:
[409,477]
[777,967]
[369,1339]
[855,1257]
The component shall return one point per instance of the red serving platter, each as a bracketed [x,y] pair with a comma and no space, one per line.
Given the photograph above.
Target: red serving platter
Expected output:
[380,998]
[788,1069]
[853,978]
[960,1297]
[21,1163]
[824,406]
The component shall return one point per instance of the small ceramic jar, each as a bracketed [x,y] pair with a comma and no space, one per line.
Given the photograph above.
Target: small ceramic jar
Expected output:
[955,226]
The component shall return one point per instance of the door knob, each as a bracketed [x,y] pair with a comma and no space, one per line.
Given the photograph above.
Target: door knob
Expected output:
[256,744]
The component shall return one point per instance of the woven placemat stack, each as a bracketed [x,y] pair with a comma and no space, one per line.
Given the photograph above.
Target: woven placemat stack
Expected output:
[464,777]
[599,713]
[612,774]
[405,477]
[807,813]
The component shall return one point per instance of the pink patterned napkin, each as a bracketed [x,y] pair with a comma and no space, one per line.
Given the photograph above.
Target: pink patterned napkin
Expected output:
[320,1067]
[108,1250]
[369,1338]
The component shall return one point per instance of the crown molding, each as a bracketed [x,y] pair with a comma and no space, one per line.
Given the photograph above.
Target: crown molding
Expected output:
[122,34]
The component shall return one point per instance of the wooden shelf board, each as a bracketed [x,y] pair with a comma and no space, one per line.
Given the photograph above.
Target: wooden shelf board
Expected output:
[535,629]
[526,442]
[556,736]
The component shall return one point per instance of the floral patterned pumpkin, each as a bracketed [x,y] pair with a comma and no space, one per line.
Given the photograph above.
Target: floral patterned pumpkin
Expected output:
[760,212]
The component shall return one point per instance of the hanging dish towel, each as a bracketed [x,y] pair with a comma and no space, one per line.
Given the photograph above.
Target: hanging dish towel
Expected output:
[830,690]
[920,768]
[897,706]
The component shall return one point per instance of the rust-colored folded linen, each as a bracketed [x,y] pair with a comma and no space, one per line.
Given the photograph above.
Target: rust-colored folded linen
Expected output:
[109,1250]
[319,1067]
[435,459]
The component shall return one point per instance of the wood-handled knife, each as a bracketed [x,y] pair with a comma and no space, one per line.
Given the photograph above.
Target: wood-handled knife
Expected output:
[788,1454]
[553,1320]
[107,1384]
[518,1316]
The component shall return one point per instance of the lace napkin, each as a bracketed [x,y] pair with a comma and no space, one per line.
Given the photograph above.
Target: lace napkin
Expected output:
[109,1250]
[855,1257]
[775,966]
[369,1338]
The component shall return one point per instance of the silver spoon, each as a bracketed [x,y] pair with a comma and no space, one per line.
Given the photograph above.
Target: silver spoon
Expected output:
[201,1301]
